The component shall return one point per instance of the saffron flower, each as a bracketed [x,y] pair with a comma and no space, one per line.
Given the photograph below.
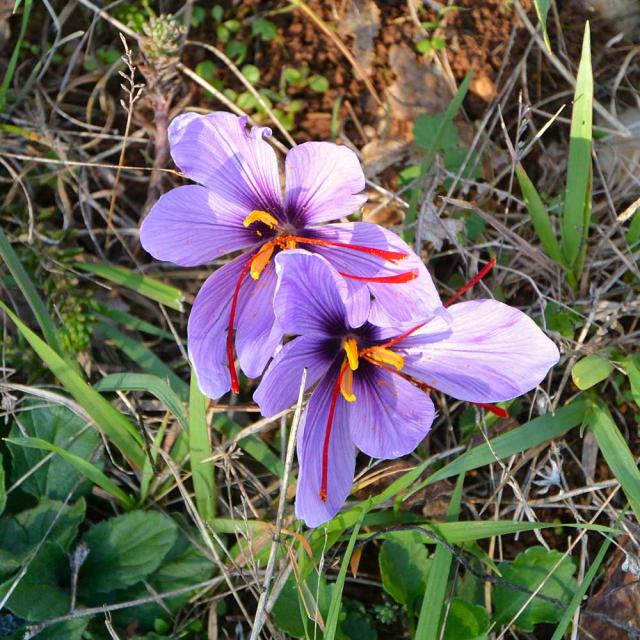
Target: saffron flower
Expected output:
[238,206]
[372,383]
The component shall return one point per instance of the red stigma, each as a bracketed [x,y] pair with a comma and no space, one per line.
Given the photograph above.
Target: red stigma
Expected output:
[390,256]
[481,274]
[398,278]
[498,411]
[327,435]
[235,384]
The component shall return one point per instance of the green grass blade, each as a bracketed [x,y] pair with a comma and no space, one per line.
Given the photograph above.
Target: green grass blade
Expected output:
[331,624]
[434,601]
[13,61]
[30,294]
[107,418]
[132,322]
[567,616]
[83,466]
[616,452]
[416,192]
[542,10]
[144,285]
[202,473]
[149,383]
[539,216]
[146,359]
[527,436]
[575,227]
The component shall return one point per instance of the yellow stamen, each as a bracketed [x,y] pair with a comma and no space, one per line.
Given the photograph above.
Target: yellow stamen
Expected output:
[261,260]
[386,356]
[351,348]
[346,385]
[260,216]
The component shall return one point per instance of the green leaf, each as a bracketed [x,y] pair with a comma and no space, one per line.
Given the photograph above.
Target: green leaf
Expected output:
[616,452]
[13,61]
[542,9]
[202,473]
[632,366]
[466,621]
[144,285]
[318,83]
[251,73]
[38,595]
[149,383]
[539,216]
[30,293]
[3,489]
[132,322]
[69,630]
[59,426]
[113,424]
[435,597]
[530,569]
[264,29]
[206,70]
[575,224]
[633,232]
[435,132]
[589,371]
[86,468]
[404,569]
[124,550]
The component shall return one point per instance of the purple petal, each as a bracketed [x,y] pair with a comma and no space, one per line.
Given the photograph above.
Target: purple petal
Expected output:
[310,299]
[207,329]
[280,384]
[341,457]
[390,417]
[217,151]
[393,304]
[191,226]
[489,353]
[257,333]
[323,181]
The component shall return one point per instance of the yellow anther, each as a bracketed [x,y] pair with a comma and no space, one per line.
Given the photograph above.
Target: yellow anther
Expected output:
[351,348]
[386,356]
[261,260]
[346,385]
[260,216]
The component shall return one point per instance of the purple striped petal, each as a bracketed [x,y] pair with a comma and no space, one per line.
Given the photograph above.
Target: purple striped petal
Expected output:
[280,384]
[341,456]
[390,417]
[191,226]
[490,352]
[394,304]
[217,151]
[323,182]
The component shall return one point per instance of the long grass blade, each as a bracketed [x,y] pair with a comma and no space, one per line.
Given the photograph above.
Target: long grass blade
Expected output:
[13,61]
[107,418]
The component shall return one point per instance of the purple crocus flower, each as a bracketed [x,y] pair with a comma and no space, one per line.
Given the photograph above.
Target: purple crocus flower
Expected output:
[238,207]
[372,383]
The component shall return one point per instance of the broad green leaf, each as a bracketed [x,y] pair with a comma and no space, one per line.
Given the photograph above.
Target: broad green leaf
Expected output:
[435,597]
[542,9]
[151,384]
[435,132]
[575,225]
[30,292]
[68,630]
[539,216]
[39,595]
[146,359]
[530,569]
[202,472]
[84,467]
[61,427]
[144,285]
[466,621]
[404,569]
[110,421]
[591,370]
[616,452]
[124,550]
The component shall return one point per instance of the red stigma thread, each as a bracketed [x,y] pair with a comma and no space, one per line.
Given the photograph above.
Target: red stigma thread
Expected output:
[498,411]
[327,435]
[235,384]
[481,274]
[390,256]
[398,278]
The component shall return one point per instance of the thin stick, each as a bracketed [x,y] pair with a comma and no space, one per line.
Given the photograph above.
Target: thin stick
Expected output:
[271,563]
